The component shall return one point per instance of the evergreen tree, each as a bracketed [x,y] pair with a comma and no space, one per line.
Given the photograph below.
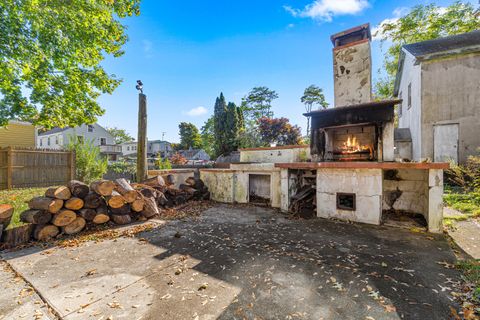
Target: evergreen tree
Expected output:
[219,126]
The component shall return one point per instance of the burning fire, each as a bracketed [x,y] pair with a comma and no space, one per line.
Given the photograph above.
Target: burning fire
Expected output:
[352,146]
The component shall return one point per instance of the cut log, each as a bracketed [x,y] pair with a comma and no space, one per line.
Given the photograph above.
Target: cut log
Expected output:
[78,188]
[46,203]
[156,181]
[169,180]
[125,209]
[161,199]
[195,183]
[101,218]
[35,216]
[121,219]
[180,199]
[6,212]
[137,205]
[150,208]
[45,232]
[149,192]
[63,218]
[62,193]
[74,203]
[115,200]
[75,226]
[102,187]
[17,236]
[92,201]
[87,214]
[126,190]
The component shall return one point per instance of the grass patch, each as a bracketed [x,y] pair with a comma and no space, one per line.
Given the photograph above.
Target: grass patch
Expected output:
[18,199]
[471,272]
[466,202]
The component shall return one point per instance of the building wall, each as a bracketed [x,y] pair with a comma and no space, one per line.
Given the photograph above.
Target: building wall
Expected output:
[275,155]
[129,148]
[411,116]
[352,74]
[60,140]
[17,134]
[451,94]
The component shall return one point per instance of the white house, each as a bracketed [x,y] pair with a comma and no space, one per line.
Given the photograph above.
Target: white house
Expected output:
[439,83]
[154,148]
[58,138]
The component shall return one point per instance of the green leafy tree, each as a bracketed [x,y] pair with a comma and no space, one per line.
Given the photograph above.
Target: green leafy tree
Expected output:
[54,49]
[423,22]
[207,135]
[120,135]
[278,131]
[258,103]
[189,136]
[90,164]
[313,95]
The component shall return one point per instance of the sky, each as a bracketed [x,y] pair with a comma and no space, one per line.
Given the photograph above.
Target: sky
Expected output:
[187,52]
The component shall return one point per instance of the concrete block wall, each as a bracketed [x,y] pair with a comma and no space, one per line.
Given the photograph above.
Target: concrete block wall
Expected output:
[366,184]
[407,189]
[287,154]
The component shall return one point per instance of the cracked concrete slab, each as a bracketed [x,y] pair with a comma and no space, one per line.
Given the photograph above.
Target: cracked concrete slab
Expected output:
[236,262]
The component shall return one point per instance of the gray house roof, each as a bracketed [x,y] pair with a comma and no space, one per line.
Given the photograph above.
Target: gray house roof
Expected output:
[54,130]
[437,48]
[445,44]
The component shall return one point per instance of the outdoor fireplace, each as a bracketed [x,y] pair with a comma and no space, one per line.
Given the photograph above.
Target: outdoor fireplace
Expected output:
[362,132]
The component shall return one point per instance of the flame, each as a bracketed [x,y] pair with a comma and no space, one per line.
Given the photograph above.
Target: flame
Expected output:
[352,145]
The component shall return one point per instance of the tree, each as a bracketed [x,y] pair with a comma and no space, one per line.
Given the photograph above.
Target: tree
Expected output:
[227,125]
[278,131]
[258,103]
[189,136]
[120,135]
[313,95]
[423,22]
[50,58]
[207,137]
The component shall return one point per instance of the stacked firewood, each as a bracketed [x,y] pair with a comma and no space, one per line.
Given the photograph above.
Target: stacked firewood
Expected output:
[69,209]
[304,202]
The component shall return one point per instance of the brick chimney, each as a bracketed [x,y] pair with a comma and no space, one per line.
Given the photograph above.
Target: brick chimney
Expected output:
[352,66]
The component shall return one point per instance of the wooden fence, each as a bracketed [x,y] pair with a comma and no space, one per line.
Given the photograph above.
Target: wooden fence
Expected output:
[27,168]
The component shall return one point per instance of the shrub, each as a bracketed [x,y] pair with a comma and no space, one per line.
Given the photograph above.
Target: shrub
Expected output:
[162,164]
[90,165]
[123,167]
[177,158]
[465,176]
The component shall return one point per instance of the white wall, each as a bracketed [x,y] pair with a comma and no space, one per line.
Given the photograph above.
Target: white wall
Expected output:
[60,140]
[411,117]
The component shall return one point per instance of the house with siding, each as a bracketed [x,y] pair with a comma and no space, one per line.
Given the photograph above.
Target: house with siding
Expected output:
[439,83]
[18,134]
[59,138]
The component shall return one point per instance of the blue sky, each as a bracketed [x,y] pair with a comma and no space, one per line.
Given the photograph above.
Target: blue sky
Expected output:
[187,52]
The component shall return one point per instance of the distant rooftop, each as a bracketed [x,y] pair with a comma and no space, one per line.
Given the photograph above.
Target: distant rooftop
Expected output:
[445,44]
[54,130]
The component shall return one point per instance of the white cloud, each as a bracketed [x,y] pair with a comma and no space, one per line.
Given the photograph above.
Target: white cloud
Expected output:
[195,112]
[325,10]
[148,48]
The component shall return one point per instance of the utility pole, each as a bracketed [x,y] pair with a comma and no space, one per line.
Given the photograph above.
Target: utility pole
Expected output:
[142,134]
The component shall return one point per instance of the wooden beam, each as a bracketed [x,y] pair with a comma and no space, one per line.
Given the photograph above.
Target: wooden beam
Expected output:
[142,138]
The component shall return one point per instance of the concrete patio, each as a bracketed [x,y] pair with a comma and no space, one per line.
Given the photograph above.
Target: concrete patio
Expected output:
[236,262]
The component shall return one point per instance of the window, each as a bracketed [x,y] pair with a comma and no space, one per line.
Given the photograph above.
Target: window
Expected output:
[56,139]
[400,106]
[48,141]
[41,142]
[90,128]
[409,95]
[128,148]
[103,141]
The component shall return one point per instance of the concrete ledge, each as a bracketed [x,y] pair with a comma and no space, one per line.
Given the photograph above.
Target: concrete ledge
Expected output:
[364,165]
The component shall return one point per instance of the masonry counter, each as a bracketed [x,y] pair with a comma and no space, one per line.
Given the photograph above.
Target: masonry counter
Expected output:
[366,192]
